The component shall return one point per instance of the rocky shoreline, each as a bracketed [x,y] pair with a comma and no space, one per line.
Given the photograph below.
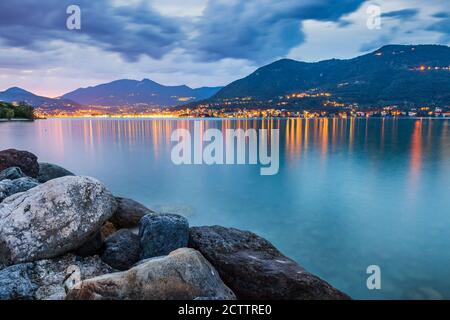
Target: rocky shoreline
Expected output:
[64,236]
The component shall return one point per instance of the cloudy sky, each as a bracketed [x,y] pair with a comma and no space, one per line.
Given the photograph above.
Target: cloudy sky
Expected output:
[196,42]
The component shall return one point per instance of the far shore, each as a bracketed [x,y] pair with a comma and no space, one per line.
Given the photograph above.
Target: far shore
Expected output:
[229,118]
[17,120]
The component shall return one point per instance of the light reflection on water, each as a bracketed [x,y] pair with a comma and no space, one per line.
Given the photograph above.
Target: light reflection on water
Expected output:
[349,193]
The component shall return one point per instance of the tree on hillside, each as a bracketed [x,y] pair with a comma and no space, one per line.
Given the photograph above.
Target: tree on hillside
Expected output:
[9,114]
[22,110]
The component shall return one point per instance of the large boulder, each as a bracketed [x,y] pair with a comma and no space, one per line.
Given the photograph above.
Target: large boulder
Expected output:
[183,275]
[43,280]
[128,213]
[11,187]
[121,250]
[49,171]
[15,283]
[255,270]
[162,233]
[52,219]
[11,174]
[25,160]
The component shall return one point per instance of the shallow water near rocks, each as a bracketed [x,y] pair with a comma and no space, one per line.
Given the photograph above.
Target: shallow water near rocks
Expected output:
[349,193]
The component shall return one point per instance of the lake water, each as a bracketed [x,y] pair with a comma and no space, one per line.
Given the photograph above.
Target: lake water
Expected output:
[349,193]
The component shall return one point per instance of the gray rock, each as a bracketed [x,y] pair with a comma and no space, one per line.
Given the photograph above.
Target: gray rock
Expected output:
[161,234]
[183,275]
[91,247]
[49,171]
[43,280]
[128,213]
[52,219]
[11,187]
[22,159]
[121,250]
[49,275]
[255,270]
[11,174]
[15,283]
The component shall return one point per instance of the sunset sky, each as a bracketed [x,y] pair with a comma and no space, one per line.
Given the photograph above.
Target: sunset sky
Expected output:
[195,42]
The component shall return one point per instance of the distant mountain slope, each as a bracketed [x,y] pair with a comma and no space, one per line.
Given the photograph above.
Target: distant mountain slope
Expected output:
[16,94]
[132,92]
[391,74]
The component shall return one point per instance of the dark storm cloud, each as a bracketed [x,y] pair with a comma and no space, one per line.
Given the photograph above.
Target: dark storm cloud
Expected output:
[401,14]
[260,30]
[130,31]
[442,26]
[441,15]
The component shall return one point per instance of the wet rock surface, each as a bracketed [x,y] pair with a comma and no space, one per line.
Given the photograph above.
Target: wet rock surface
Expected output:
[129,213]
[162,233]
[11,187]
[11,174]
[25,160]
[49,171]
[122,250]
[15,283]
[254,269]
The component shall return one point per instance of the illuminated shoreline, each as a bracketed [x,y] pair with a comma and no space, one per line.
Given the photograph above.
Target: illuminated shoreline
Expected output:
[244,118]
[387,112]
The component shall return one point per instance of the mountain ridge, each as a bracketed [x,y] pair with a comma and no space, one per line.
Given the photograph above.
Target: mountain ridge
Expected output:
[169,95]
[124,92]
[384,76]
[17,95]
[407,75]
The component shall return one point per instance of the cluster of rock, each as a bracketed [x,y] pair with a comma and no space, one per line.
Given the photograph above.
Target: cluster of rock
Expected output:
[67,237]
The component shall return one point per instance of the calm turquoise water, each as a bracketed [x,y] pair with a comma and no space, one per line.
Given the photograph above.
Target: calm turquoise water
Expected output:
[349,193]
